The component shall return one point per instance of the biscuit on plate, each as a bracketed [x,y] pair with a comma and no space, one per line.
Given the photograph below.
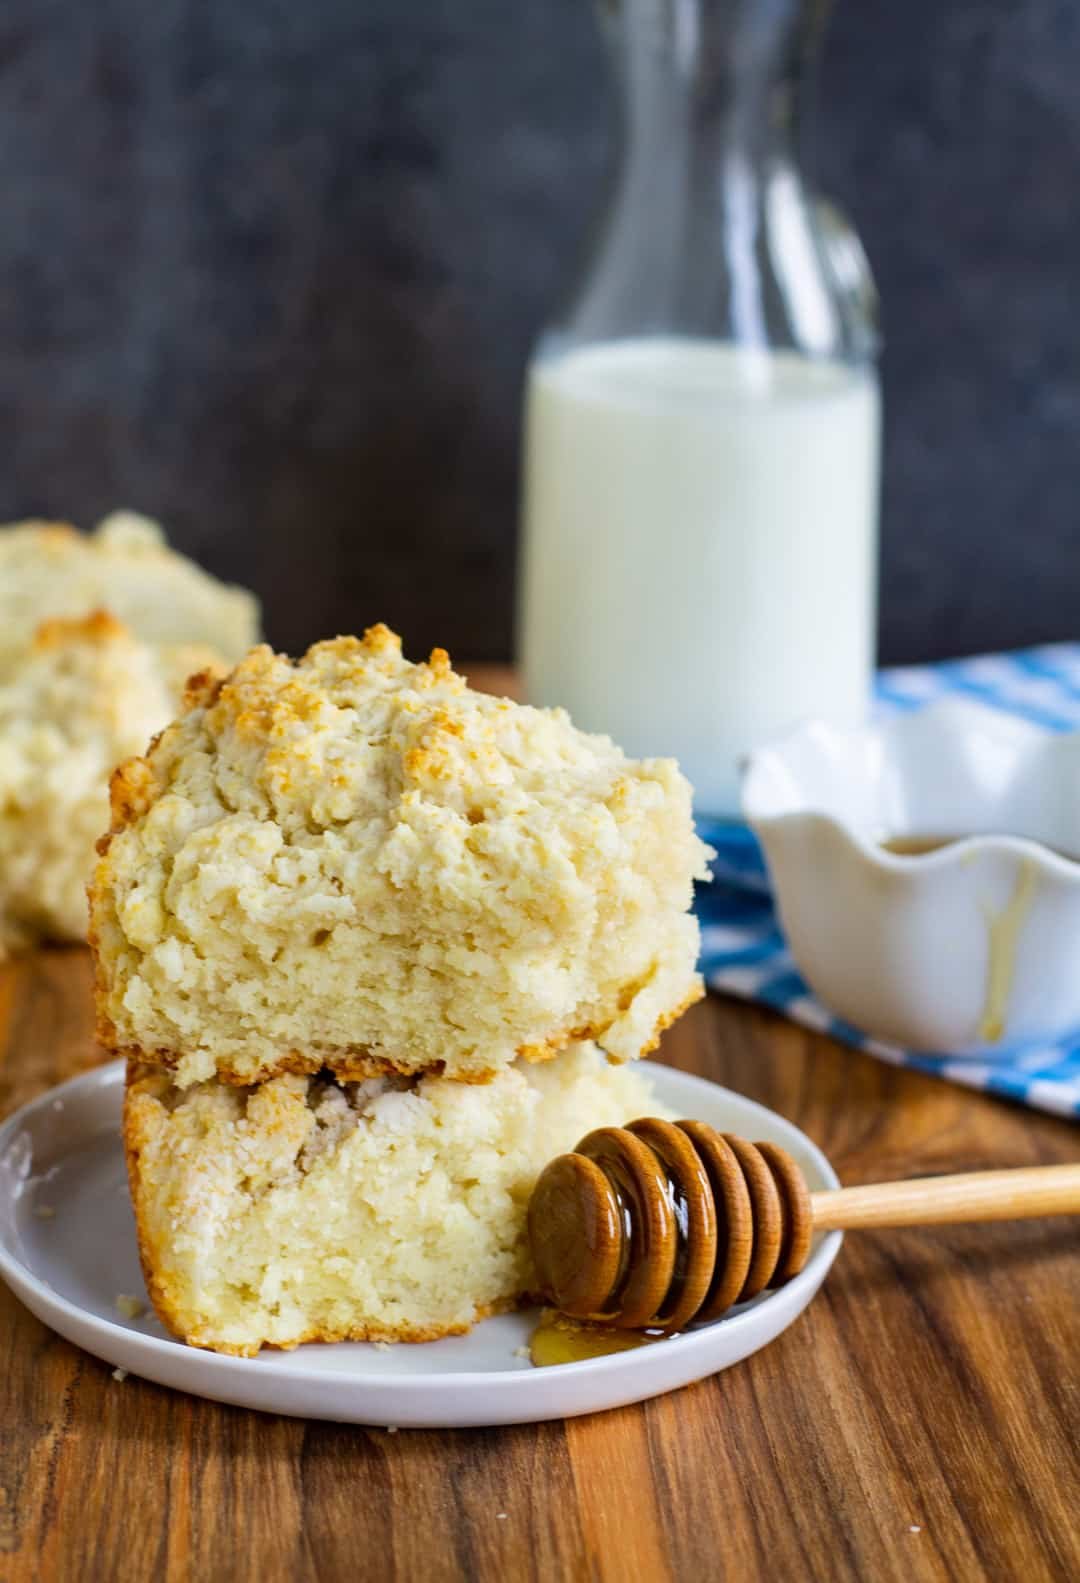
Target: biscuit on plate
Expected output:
[393,1209]
[85,695]
[48,569]
[357,863]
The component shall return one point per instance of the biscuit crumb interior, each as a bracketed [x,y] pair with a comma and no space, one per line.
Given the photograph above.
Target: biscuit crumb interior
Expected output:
[388,1210]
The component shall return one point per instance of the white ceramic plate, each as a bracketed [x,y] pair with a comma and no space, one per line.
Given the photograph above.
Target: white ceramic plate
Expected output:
[67,1248]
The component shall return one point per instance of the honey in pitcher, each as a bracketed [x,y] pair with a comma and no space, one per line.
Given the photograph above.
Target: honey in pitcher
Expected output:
[919,844]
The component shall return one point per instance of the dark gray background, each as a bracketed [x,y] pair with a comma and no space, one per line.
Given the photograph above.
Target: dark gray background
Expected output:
[271,270]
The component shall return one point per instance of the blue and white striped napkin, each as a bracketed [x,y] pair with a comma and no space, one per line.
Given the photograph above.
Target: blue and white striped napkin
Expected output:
[745,954]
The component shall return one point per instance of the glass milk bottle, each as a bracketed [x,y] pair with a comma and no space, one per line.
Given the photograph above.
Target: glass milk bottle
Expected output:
[702,425]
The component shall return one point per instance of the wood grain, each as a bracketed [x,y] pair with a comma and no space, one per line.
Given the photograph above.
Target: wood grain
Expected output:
[919,1422]
[933,1385]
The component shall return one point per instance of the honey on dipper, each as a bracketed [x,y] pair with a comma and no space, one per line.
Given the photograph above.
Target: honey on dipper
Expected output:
[646,1229]
[659,1224]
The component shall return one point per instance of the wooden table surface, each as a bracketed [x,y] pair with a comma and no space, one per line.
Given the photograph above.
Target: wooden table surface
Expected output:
[921,1420]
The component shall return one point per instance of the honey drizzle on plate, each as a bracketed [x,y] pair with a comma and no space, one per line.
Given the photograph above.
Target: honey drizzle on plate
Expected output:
[559,1339]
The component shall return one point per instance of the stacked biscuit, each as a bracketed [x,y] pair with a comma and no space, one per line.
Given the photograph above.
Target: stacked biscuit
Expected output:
[97,633]
[376,947]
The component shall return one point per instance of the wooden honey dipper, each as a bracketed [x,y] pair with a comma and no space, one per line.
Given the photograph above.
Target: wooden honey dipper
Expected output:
[658,1224]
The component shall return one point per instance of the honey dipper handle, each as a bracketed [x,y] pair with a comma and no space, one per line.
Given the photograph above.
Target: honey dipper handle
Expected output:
[1018,1194]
